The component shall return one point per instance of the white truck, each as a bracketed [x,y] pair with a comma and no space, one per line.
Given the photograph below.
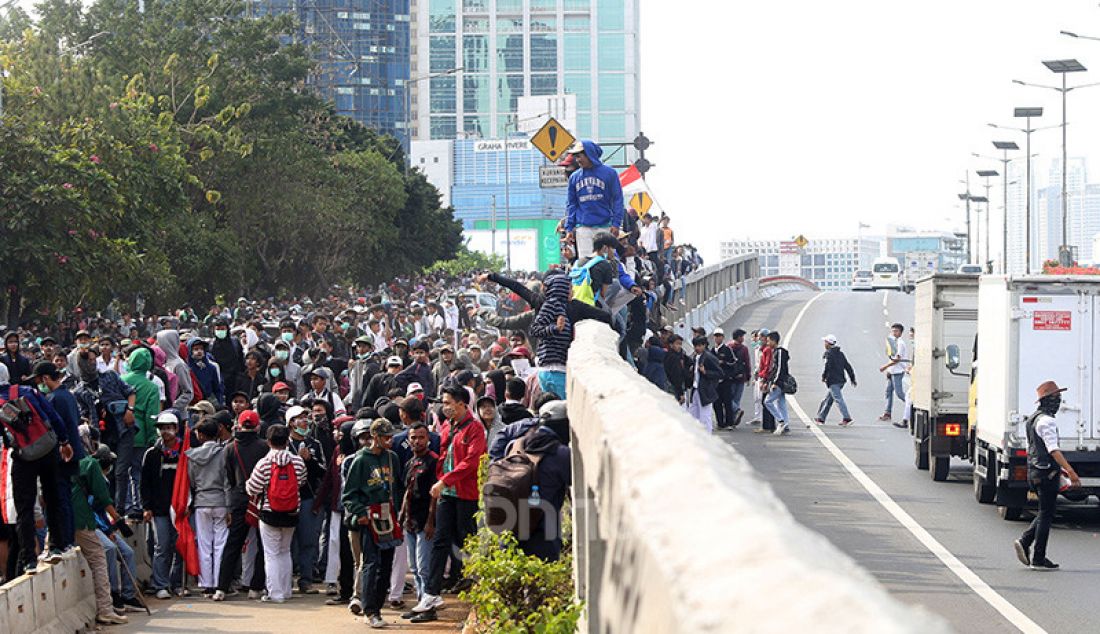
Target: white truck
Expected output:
[1034,329]
[946,320]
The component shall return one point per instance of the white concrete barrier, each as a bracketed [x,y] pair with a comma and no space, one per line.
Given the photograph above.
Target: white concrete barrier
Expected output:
[673,532]
[58,599]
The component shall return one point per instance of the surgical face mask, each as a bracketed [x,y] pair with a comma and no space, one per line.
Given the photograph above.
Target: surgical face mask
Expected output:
[345,326]
[221,334]
[275,371]
[282,355]
[301,430]
[287,336]
[84,345]
[363,356]
[42,387]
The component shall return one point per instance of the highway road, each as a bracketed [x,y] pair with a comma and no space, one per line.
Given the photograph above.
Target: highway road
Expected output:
[929,543]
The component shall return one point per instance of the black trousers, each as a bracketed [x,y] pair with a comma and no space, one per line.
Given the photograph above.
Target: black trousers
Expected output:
[454,521]
[24,480]
[234,551]
[377,566]
[346,578]
[1039,530]
[723,407]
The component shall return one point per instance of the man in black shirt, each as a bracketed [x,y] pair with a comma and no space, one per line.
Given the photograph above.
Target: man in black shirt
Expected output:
[418,509]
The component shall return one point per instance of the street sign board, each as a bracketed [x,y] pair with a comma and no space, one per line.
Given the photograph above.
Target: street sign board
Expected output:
[641,202]
[801,241]
[552,176]
[552,140]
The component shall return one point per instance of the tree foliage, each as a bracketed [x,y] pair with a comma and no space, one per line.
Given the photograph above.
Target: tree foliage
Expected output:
[179,154]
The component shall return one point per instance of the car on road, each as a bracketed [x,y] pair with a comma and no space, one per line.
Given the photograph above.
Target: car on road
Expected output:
[887,274]
[862,281]
[970,269]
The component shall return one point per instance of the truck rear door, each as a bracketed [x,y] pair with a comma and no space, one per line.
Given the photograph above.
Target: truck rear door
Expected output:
[1056,344]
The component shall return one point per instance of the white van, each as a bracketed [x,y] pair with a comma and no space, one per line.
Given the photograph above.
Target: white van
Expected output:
[887,274]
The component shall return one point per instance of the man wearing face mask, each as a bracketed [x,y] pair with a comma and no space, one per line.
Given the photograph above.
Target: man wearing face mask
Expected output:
[158,469]
[291,370]
[242,454]
[304,546]
[319,380]
[1045,464]
[360,372]
[228,355]
[48,379]
[206,371]
[83,342]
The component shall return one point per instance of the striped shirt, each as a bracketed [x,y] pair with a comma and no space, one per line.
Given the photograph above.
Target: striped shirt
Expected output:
[261,475]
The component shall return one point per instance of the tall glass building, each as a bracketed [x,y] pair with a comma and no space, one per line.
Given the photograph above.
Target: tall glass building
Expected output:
[362,50]
[507,49]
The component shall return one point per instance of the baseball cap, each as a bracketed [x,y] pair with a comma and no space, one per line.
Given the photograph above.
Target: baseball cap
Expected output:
[381,427]
[829,339]
[363,339]
[167,418]
[249,419]
[294,412]
[203,407]
[392,361]
[280,386]
[413,389]
[576,148]
[719,331]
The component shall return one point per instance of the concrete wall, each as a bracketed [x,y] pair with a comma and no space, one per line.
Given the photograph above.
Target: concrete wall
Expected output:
[673,532]
[59,599]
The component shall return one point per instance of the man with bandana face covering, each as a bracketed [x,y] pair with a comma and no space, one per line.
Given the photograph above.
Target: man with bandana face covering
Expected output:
[158,470]
[1045,464]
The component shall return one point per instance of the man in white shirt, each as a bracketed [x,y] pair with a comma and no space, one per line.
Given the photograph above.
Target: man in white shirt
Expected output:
[897,353]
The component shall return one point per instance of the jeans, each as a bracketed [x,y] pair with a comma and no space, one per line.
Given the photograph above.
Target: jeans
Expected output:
[1039,530]
[454,521]
[776,402]
[167,564]
[304,548]
[737,390]
[835,395]
[128,473]
[420,557]
[894,385]
[375,575]
[24,483]
[552,381]
[120,582]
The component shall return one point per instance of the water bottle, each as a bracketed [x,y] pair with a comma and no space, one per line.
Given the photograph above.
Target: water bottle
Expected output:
[534,499]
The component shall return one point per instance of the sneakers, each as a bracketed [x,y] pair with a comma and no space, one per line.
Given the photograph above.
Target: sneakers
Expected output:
[183,592]
[885,417]
[163,594]
[208,593]
[355,607]
[309,590]
[761,430]
[819,421]
[254,595]
[781,429]
[424,617]
[218,596]
[336,601]
[1044,564]
[846,422]
[267,599]
[30,568]
[331,590]
[111,618]
[1021,552]
[428,602]
[375,621]
[410,615]
[902,424]
[133,605]
[740,415]
[397,605]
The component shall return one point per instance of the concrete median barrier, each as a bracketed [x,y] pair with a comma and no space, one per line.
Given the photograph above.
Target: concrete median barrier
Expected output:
[674,532]
[59,599]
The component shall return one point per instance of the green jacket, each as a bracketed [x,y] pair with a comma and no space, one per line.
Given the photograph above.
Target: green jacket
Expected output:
[147,397]
[89,482]
[372,479]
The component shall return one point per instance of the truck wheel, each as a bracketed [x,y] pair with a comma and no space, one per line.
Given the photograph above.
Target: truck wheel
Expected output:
[1010,513]
[940,467]
[983,491]
[921,456]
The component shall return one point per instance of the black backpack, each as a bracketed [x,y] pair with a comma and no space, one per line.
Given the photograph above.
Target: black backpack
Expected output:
[507,486]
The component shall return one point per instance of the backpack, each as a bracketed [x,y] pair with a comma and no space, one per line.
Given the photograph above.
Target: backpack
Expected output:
[282,490]
[581,278]
[507,486]
[24,430]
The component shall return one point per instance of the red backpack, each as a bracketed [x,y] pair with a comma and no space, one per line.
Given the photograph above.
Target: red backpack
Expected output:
[282,491]
[24,430]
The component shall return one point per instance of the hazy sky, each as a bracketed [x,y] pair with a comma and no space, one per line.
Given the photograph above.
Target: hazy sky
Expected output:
[777,117]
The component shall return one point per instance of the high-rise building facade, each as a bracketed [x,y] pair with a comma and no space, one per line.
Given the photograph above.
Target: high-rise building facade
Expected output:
[473,59]
[362,50]
[831,263]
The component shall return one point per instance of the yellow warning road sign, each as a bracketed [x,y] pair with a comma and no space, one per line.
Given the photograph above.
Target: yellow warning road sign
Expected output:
[552,140]
[641,202]
[801,241]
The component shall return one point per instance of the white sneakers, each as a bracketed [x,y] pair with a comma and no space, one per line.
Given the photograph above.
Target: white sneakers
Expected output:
[781,429]
[253,595]
[428,602]
[163,594]
[219,596]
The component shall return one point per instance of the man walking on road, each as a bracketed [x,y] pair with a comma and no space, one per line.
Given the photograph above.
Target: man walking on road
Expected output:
[897,353]
[1045,464]
[707,372]
[836,366]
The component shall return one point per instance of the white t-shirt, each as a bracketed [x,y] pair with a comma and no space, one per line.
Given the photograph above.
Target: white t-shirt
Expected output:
[902,352]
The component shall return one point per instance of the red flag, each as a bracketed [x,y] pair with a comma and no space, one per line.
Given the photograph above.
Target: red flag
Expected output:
[186,544]
[628,176]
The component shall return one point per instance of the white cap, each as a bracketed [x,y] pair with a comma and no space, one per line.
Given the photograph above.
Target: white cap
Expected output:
[167,418]
[829,339]
[719,331]
[394,361]
[294,412]
[414,388]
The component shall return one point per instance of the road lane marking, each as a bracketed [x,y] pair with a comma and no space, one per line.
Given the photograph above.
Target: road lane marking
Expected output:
[965,574]
[885,296]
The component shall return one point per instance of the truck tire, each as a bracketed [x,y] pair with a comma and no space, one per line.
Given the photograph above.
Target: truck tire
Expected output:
[983,491]
[920,454]
[939,466]
[1010,513]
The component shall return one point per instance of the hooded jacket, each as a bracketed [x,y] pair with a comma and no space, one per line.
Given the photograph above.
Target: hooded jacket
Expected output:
[206,468]
[268,407]
[836,365]
[595,196]
[512,412]
[169,342]
[229,356]
[206,372]
[158,477]
[242,454]
[147,397]
[553,346]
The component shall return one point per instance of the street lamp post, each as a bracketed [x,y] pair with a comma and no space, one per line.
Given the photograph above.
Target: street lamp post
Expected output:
[408,106]
[987,174]
[1005,147]
[1063,67]
[965,196]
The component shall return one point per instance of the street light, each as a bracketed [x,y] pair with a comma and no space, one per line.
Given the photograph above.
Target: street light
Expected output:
[987,174]
[1026,113]
[408,106]
[1063,67]
[965,196]
[1005,147]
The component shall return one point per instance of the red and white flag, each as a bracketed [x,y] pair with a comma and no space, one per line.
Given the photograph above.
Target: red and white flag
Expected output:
[632,182]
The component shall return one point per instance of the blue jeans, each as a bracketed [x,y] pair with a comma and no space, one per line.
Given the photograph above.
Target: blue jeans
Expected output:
[120,582]
[552,381]
[834,396]
[419,548]
[374,578]
[167,570]
[128,473]
[304,547]
[894,385]
[776,402]
[737,390]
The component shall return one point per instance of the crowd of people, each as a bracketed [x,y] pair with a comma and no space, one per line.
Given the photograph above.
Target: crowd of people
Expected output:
[333,444]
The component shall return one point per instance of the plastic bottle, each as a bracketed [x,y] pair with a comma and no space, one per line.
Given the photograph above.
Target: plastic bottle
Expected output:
[534,499]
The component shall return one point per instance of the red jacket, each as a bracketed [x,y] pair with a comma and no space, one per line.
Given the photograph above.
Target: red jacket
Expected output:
[468,445]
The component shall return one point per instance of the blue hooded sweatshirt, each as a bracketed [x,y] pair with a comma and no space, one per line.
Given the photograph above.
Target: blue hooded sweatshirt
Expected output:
[595,194]
[207,372]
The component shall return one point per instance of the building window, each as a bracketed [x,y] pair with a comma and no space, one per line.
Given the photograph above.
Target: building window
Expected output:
[611,15]
[544,52]
[476,94]
[443,127]
[475,6]
[543,5]
[577,23]
[509,90]
[442,94]
[613,127]
[576,5]
[543,24]
[441,16]
[441,56]
[509,6]
[578,54]
[475,25]
[612,53]
[612,89]
[544,84]
[509,25]
[581,86]
[475,126]
[510,53]
[475,53]
[360,16]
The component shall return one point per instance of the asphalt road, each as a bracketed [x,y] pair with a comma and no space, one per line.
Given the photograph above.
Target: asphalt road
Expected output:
[824,495]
